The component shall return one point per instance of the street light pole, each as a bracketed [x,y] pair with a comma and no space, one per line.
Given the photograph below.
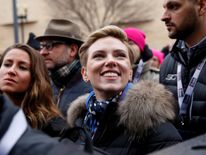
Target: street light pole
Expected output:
[15,20]
[23,18]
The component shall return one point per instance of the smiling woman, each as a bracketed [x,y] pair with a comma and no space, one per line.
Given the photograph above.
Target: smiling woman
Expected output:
[121,118]
[24,79]
[109,67]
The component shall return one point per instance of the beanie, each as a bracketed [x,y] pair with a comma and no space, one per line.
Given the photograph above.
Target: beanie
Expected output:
[137,36]
[159,55]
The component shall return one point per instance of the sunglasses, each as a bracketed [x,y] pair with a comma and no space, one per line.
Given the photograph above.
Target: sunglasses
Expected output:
[50,44]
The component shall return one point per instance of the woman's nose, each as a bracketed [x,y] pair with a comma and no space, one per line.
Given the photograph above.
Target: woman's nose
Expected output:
[12,70]
[111,62]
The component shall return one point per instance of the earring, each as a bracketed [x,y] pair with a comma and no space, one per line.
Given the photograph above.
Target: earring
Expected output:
[85,79]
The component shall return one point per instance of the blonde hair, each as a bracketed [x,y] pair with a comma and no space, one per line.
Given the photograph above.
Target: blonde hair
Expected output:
[106,31]
[136,53]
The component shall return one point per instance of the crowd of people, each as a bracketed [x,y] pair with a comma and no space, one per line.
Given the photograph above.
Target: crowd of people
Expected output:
[109,94]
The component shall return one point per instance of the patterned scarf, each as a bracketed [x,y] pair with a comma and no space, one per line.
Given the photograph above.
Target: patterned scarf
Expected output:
[62,76]
[96,108]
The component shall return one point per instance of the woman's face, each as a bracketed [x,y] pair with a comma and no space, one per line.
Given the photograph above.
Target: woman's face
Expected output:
[108,67]
[155,62]
[15,75]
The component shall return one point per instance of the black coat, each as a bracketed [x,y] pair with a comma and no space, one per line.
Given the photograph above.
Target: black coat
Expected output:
[32,141]
[195,122]
[139,124]
[74,86]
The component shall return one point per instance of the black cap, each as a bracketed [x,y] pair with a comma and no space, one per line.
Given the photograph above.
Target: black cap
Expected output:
[33,42]
[147,54]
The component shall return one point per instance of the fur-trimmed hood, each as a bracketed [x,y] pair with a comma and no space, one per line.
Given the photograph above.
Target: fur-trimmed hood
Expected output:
[146,105]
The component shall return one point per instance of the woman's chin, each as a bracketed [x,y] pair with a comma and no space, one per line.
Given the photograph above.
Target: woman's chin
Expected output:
[112,89]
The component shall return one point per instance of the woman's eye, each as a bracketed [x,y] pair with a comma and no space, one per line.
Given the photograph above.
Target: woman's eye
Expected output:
[121,56]
[98,56]
[23,68]
[7,64]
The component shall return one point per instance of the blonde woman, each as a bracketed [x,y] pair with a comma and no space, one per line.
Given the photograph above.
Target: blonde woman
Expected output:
[121,118]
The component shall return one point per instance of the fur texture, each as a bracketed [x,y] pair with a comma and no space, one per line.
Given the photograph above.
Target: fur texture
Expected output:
[145,106]
[76,109]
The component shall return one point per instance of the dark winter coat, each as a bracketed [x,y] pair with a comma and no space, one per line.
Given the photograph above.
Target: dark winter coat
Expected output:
[195,122]
[137,125]
[32,141]
[74,87]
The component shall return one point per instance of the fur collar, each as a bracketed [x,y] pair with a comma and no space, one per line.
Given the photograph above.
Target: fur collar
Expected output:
[146,105]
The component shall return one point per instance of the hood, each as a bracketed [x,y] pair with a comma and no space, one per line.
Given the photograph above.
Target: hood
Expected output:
[146,105]
[76,109]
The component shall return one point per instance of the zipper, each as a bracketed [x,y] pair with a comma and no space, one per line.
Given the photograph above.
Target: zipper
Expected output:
[59,95]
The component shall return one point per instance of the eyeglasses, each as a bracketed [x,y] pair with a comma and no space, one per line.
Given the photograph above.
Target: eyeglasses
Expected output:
[50,44]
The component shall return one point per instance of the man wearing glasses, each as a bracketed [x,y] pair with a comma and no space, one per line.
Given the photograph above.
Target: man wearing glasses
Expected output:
[59,47]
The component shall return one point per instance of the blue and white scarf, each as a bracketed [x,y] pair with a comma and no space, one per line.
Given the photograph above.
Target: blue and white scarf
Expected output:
[96,108]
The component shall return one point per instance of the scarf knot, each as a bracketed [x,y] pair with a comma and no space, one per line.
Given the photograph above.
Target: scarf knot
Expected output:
[96,109]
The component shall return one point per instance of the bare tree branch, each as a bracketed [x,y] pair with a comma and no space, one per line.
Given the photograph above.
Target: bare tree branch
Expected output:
[93,14]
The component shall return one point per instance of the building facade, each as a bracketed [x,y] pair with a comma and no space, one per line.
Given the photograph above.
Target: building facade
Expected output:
[33,16]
